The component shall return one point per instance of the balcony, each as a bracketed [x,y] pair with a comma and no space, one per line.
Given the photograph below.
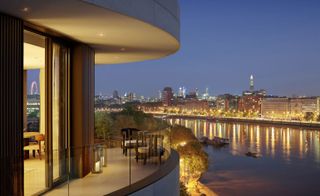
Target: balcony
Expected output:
[115,172]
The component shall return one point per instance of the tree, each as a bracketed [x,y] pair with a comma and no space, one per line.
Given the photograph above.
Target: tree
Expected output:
[195,159]
[103,125]
[308,116]
[183,190]
[180,134]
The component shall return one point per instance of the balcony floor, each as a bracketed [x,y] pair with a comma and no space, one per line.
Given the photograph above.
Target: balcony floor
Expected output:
[113,177]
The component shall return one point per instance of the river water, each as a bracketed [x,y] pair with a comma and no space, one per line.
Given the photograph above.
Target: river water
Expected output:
[289,162]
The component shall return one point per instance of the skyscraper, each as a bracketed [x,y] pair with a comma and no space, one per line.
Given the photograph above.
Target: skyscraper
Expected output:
[251,83]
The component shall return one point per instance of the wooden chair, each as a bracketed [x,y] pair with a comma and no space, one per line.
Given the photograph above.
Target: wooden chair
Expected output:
[36,146]
[129,139]
[143,148]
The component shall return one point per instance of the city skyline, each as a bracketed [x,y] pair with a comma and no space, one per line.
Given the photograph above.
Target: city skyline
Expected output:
[276,41]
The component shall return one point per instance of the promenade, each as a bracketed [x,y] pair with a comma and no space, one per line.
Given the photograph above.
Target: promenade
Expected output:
[282,122]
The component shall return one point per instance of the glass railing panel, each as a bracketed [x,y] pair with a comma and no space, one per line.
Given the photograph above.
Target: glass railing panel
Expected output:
[111,165]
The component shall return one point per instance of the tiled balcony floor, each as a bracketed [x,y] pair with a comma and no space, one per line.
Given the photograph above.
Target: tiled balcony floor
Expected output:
[113,177]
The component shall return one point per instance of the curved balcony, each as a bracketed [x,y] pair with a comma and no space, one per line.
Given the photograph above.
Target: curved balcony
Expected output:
[117,168]
[118,31]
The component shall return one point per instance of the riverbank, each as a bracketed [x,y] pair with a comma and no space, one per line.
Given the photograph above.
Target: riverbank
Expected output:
[203,190]
[290,123]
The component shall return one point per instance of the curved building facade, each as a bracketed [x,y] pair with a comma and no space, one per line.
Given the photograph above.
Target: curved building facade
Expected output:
[58,43]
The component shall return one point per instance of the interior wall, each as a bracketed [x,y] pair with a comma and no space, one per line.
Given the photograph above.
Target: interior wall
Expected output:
[11,105]
[82,109]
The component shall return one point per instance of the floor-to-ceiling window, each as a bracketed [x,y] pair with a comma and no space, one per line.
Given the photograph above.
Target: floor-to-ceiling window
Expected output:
[34,132]
[46,112]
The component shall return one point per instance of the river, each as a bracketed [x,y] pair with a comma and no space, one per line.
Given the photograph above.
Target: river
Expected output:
[289,162]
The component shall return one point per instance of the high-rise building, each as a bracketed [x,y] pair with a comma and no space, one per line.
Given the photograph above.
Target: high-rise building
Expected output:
[251,91]
[115,94]
[160,95]
[251,83]
[167,96]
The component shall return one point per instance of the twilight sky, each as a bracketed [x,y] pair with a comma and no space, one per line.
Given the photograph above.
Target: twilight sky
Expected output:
[223,42]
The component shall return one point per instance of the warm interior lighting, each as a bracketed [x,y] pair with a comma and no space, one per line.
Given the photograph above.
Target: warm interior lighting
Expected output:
[33,56]
[25,9]
[101,34]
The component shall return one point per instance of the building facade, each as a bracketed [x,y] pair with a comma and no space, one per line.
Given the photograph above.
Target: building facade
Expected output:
[289,108]
[63,41]
[167,96]
[275,107]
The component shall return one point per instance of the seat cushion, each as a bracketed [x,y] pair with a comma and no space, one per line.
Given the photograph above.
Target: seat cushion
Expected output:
[131,142]
[143,149]
[31,147]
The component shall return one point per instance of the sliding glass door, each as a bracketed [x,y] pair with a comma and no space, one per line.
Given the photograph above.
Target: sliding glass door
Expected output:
[60,110]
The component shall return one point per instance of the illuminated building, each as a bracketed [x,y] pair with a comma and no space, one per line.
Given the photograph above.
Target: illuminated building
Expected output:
[167,96]
[250,103]
[275,107]
[227,102]
[251,90]
[293,108]
[251,83]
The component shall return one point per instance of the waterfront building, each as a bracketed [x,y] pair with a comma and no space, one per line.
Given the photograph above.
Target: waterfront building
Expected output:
[275,107]
[167,96]
[64,40]
[193,105]
[289,108]
[250,103]
[304,105]
[227,102]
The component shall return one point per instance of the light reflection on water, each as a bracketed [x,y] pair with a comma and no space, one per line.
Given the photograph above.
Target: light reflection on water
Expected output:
[289,163]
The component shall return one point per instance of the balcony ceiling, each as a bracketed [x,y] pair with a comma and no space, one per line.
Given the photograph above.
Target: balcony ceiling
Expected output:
[116,38]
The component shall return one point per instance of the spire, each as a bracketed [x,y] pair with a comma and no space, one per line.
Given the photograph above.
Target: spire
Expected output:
[251,83]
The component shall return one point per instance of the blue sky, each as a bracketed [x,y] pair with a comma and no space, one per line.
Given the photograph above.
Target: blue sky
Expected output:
[223,42]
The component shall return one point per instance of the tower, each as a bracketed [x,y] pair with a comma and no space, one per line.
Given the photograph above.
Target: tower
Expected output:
[251,83]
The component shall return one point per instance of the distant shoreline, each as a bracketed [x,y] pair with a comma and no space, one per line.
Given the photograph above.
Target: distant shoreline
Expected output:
[312,125]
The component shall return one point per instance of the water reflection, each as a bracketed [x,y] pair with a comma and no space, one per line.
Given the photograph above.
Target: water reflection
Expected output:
[265,140]
[289,163]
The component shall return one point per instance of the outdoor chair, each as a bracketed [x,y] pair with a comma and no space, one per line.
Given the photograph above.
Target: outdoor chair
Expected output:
[143,148]
[129,139]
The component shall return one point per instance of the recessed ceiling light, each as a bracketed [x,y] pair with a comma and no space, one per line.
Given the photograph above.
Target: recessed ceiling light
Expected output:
[101,34]
[25,9]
